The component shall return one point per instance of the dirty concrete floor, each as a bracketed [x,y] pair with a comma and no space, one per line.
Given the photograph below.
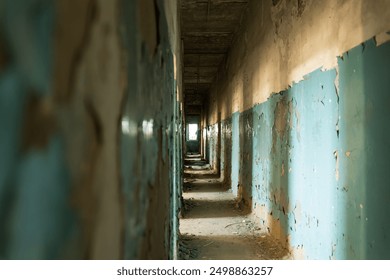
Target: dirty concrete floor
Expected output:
[214,225]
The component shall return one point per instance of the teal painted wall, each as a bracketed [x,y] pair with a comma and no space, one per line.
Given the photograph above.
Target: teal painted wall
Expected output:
[365,134]
[36,218]
[312,160]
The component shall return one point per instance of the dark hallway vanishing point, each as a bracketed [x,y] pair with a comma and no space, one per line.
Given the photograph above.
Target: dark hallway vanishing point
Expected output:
[194,129]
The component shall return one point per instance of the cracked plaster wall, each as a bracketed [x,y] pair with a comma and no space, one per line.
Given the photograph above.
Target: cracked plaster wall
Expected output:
[311,158]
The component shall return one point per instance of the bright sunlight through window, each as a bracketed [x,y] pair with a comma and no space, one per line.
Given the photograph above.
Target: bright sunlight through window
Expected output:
[193,131]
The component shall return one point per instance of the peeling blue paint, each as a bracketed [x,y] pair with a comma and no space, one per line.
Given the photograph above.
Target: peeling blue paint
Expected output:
[312,160]
[151,165]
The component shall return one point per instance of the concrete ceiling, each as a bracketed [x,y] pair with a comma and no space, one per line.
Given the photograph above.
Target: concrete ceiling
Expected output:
[207,28]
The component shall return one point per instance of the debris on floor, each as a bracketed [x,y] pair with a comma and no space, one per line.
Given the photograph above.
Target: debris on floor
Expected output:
[217,225]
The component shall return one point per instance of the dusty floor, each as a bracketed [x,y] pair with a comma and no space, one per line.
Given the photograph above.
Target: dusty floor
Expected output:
[214,225]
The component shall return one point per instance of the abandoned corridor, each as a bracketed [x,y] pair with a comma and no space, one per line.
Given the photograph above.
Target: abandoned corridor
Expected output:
[194,129]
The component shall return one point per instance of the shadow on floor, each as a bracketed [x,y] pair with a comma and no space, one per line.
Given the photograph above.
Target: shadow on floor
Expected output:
[231,248]
[217,225]
[200,175]
[199,208]
[191,187]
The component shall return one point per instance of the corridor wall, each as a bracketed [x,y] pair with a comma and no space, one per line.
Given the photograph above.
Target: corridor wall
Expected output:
[307,84]
[90,129]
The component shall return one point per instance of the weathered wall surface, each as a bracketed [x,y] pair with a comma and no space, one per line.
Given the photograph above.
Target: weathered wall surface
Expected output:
[226,141]
[235,151]
[212,145]
[151,141]
[311,159]
[86,139]
[279,44]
